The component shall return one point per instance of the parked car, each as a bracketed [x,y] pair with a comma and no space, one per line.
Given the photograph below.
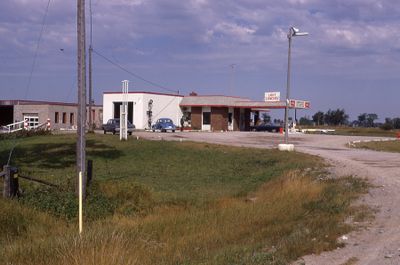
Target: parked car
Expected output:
[266,127]
[164,125]
[112,125]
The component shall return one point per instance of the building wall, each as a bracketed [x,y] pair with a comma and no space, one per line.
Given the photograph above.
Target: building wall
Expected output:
[196,118]
[219,118]
[164,106]
[48,111]
[40,110]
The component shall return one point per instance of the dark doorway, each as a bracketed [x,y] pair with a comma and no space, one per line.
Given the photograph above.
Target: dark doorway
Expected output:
[6,115]
[117,113]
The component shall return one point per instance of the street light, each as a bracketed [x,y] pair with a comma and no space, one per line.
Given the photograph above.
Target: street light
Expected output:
[293,32]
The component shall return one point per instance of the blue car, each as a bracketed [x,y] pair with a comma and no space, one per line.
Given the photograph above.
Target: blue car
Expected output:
[164,125]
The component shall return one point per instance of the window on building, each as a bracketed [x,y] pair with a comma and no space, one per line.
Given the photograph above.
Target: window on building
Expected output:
[71,118]
[64,117]
[32,120]
[56,117]
[206,118]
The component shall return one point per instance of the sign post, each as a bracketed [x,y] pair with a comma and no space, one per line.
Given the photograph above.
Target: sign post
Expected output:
[80,204]
[123,121]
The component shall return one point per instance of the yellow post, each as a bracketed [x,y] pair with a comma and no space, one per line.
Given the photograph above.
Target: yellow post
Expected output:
[80,202]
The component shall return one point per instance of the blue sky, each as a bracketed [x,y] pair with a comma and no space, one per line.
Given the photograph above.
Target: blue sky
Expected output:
[350,60]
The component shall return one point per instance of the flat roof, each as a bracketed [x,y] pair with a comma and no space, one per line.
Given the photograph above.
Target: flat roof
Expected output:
[145,92]
[9,102]
[227,101]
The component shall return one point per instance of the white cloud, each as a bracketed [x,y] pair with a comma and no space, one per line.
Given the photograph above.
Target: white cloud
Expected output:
[235,32]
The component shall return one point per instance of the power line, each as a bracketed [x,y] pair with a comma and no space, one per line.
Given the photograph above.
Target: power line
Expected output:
[135,75]
[37,49]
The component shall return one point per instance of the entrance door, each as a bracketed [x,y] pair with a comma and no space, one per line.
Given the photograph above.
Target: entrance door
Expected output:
[230,119]
[117,113]
[206,119]
[242,121]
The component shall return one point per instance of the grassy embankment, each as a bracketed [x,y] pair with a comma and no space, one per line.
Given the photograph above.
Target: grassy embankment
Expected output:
[357,131]
[387,146]
[172,203]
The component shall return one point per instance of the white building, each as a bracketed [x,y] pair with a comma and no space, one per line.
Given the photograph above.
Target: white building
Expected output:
[200,112]
[144,108]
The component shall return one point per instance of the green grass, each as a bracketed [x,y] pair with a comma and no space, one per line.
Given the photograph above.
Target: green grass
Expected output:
[386,146]
[358,131]
[157,202]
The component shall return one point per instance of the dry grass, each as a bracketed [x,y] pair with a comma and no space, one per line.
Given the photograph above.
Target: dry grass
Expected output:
[387,146]
[284,219]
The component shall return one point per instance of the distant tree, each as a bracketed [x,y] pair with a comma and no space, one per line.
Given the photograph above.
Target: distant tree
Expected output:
[362,118]
[318,118]
[371,117]
[336,117]
[388,125]
[305,121]
[396,123]
[266,118]
[367,120]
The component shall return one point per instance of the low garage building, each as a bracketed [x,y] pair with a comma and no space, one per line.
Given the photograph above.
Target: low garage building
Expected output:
[144,108]
[62,115]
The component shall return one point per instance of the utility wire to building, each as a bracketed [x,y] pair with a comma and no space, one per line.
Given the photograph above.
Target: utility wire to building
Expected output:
[37,49]
[133,74]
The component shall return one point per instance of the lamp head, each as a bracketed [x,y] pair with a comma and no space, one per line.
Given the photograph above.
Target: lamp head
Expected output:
[296,32]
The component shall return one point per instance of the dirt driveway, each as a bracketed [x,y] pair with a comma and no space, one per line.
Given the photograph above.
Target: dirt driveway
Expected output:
[379,242]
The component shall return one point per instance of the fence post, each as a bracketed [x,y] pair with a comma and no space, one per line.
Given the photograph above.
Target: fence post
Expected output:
[7,182]
[89,171]
[11,183]
[14,182]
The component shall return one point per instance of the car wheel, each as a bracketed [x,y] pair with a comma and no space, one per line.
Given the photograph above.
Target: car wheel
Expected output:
[114,132]
[154,130]
[162,130]
[173,130]
[130,133]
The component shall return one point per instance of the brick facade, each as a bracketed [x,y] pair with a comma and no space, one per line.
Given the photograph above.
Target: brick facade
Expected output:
[219,118]
[196,118]
[66,114]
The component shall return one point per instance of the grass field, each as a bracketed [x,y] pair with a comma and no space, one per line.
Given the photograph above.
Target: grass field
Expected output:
[387,146]
[157,202]
[358,131]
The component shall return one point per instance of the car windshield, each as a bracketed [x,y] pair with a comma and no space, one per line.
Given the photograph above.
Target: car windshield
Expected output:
[165,121]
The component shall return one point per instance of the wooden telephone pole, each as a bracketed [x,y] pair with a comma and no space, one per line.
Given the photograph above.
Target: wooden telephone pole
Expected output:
[91,123]
[81,123]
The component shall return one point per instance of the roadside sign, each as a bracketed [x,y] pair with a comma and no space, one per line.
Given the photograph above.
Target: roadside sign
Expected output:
[299,104]
[272,96]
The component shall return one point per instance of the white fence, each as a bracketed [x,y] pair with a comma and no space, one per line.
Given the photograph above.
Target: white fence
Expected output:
[27,124]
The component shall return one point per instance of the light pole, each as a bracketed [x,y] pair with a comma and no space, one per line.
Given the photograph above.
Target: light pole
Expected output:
[293,32]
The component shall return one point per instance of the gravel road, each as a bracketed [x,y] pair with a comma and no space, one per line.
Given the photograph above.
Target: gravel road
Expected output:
[376,244]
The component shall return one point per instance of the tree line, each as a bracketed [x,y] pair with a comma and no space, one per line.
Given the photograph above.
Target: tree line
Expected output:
[339,117]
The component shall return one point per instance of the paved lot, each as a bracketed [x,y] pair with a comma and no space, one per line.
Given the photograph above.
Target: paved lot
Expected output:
[379,242]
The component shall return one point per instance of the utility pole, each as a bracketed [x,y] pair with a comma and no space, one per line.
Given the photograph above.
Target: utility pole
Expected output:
[81,122]
[91,126]
[232,85]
